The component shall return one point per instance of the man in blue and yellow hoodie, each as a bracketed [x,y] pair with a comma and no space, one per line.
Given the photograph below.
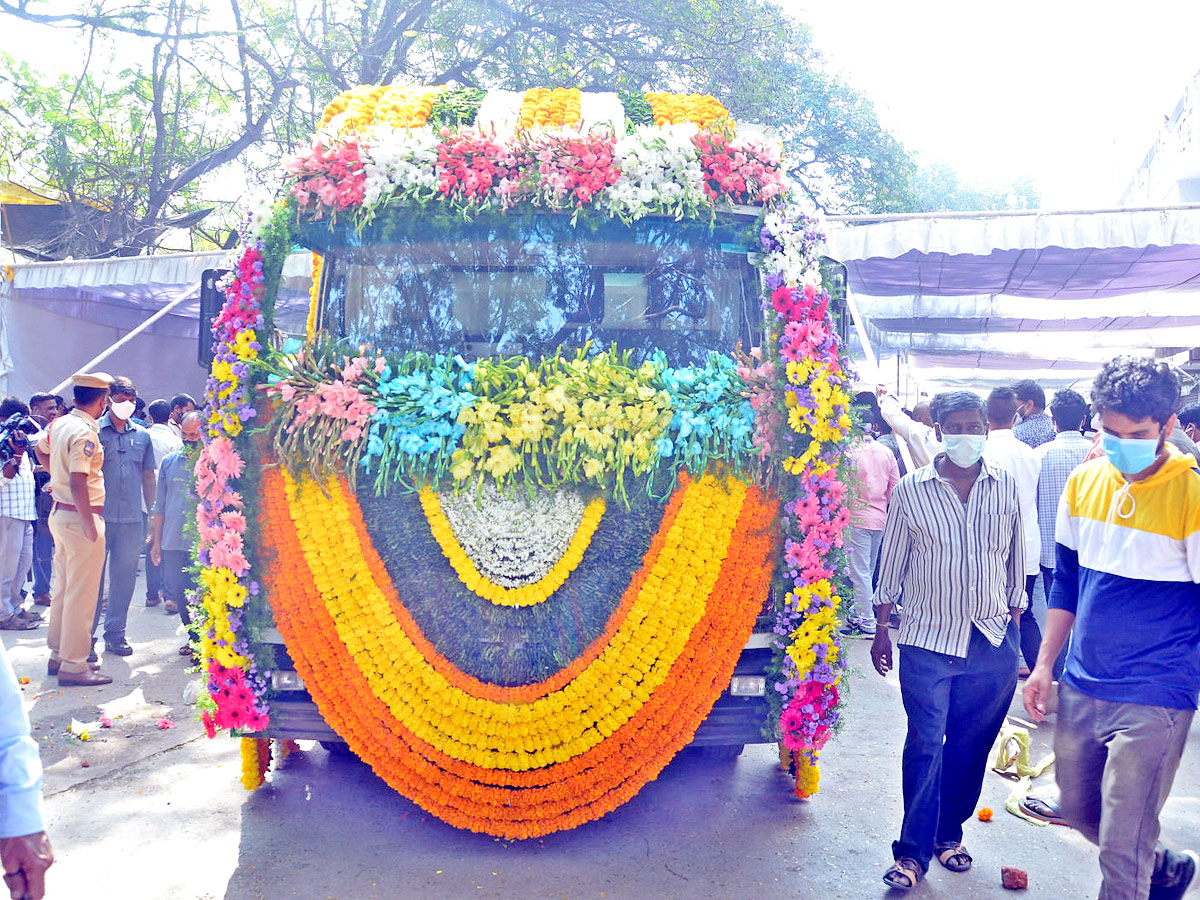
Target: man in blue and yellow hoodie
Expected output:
[1127,590]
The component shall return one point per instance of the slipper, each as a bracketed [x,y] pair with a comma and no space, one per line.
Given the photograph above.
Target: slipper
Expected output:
[16,623]
[953,856]
[185,650]
[170,607]
[904,874]
[1043,810]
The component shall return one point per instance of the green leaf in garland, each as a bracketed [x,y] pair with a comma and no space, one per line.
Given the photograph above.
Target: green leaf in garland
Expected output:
[637,108]
[456,107]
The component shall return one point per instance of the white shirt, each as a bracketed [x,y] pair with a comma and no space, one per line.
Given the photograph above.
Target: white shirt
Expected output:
[921,439]
[1006,451]
[17,493]
[165,442]
[959,566]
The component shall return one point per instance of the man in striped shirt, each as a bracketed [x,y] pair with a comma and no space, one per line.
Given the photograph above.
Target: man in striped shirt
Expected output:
[953,545]
[1127,590]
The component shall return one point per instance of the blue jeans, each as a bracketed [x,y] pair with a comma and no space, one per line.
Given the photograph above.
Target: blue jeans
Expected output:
[43,556]
[955,708]
[123,547]
[1061,662]
[1031,632]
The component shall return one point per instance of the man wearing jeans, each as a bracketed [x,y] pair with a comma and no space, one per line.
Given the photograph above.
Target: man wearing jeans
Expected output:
[953,544]
[1126,589]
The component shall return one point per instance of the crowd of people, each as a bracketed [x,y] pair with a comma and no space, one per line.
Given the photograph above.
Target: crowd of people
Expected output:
[81,499]
[84,488]
[962,503]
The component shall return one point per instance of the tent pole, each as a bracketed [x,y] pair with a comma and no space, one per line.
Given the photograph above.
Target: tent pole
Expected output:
[125,339]
[861,328]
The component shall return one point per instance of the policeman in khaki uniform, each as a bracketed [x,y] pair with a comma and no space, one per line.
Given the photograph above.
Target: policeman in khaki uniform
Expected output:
[72,451]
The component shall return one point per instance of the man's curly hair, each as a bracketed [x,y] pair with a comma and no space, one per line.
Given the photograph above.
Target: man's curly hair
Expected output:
[1137,387]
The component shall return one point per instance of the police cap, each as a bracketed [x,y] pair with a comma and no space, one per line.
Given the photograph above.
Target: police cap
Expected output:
[91,379]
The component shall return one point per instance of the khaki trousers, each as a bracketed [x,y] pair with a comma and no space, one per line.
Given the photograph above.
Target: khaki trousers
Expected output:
[74,588]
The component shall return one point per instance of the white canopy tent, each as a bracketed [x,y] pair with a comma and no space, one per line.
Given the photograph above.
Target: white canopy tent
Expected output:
[56,316]
[977,299]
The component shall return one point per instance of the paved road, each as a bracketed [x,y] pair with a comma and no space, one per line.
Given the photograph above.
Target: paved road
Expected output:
[159,813]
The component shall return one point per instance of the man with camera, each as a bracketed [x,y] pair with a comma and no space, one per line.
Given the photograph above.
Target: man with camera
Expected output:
[17,513]
[71,449]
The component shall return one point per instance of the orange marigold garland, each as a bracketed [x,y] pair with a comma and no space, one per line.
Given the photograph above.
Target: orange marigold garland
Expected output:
[528,803]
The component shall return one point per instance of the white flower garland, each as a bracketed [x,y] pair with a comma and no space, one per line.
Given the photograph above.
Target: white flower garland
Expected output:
[398,162]
[513,540]
[660,173]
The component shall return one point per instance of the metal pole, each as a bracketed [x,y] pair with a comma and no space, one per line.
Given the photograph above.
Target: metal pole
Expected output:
[125,339]
[999,213]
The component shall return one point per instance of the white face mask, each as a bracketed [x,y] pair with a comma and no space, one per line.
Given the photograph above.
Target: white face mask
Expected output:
[123,409]
[964,450]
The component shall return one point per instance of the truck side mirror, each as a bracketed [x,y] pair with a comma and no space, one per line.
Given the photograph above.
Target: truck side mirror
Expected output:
[211,301]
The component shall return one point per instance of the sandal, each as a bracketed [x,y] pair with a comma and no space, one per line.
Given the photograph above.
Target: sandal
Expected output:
[185,650]
[1044,810]
[953,856]
[29,615]
[16,623]
[904,874]
[170,607]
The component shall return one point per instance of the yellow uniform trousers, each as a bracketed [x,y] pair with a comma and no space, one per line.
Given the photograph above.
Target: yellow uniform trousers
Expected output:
[74,589]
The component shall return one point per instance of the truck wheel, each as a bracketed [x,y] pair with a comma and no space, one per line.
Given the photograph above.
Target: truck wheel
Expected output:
[337,748]
[722,751]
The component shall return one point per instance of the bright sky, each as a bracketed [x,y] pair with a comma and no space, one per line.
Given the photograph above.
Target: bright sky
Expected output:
[1071,93]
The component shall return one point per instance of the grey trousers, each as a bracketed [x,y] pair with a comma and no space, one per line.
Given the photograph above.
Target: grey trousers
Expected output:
[864,544]
[1115,763]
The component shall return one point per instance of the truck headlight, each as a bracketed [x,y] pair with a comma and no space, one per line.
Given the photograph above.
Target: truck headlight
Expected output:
[286,680]
[748,685]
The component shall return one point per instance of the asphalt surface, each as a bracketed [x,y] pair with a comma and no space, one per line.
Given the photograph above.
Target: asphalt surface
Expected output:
[159,813]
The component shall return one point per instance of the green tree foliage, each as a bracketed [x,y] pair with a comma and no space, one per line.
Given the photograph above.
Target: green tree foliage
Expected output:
[127,140]
[196,88]
[936,188]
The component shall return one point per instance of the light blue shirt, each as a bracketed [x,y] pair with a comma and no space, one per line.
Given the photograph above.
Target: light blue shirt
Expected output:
[127,454]
[20,766]
[173,500]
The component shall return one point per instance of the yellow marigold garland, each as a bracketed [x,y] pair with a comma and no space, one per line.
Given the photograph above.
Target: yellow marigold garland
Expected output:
[676,109]
[551,729]
[256,759]
[478,583]
[314,293]
[550,108]
[399,106]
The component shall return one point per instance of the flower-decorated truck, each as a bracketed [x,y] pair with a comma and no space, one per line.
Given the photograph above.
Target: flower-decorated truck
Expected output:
[550,487]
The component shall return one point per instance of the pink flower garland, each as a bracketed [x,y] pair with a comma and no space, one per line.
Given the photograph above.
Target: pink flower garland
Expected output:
[738,169]
[239,694]
[815,518]
[328,179]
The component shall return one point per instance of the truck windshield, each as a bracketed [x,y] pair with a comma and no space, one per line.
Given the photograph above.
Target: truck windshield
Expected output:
[530,285]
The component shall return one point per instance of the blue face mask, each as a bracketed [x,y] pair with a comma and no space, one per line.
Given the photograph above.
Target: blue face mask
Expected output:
[1129,455]
[964,450]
